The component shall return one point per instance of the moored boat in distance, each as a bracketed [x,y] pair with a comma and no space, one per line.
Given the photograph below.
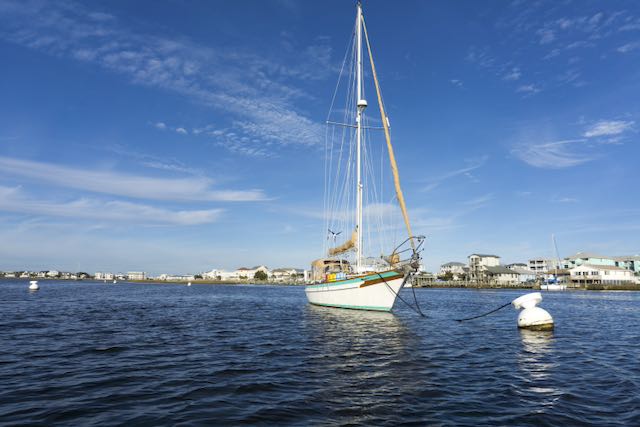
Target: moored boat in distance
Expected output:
[345,278]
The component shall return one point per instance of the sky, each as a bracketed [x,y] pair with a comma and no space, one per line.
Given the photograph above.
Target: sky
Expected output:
[181,136]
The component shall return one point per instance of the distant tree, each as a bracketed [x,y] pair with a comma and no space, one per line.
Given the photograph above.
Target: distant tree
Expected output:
[446,276]
[260,275]
[197,277]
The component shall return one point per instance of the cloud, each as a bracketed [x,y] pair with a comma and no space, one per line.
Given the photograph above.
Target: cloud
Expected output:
[456,82]
[608,127]
[472,164]
[552,155]
[528,89]
[546,36]
[564,200]
[181,131]
[628,47]
[135,186]
[512,75]
[160,125]
[12,200]
[479,202]
[258,92]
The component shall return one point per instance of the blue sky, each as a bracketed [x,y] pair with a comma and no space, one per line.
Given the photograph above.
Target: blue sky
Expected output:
[182,136]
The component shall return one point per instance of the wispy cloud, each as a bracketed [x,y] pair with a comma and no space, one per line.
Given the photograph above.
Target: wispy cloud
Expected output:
[135,186]
[551,155]
[471,165]
[514,74]
[12,199]
[564,200]
[608,127]
[529,89]
[478,202]
[625,48]
[258,91]
[456,82]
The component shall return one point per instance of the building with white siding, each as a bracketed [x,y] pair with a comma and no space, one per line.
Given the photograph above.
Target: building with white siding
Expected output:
[587,274]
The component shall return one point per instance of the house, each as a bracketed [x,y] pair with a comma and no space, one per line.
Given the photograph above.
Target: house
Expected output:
[587,274]
[453,267]
[542,265]
[285,274]
[136,275]
[524,274]
[587,258]
[53,273]
[501,275]
[249,273]
[478,264]
[518,266]
[629,262]
[214,274]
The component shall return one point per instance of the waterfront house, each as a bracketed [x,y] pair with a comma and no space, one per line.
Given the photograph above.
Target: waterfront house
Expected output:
[587,274]
[285,274]
[457,269]
[249,273]
[587,258]
[478,264]
[136,275]
[629,262]
[501,275]
[213,274]
[542,265]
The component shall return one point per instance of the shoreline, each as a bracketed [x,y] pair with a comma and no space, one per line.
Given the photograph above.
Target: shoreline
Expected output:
[439,285]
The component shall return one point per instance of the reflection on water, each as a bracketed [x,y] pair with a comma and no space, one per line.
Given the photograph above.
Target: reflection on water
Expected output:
[536,365]
[361,358]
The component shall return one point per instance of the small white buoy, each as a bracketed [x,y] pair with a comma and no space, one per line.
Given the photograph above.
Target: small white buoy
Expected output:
[532,317]
[33,285]
[189,284]
[115,281]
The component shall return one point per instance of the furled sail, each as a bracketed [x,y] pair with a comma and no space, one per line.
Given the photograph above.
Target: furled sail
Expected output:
[346,246]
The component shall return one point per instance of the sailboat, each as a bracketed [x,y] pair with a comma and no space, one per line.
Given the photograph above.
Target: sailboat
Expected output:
[553,282]
[344,277]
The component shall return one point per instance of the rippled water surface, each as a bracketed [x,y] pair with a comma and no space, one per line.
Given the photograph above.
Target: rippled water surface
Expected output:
[83,353]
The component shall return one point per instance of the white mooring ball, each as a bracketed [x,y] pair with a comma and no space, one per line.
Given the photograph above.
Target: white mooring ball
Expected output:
[532,317]
[33,285]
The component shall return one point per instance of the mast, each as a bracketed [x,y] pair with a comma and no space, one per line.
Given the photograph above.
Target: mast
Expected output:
[361,105]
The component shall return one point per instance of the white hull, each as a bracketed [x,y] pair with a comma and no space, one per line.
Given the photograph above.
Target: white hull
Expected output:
[356,293]
[553,287]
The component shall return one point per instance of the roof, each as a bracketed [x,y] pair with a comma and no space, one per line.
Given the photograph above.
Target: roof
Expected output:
[516,263]
[584,255]
[523,271]
[484,256]
[453,264]
[500,269]
[603,267]
[627,258]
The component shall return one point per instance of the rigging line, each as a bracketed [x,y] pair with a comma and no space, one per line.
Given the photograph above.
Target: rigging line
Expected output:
[385,123]
[397,294]
[485,314]
[344,61]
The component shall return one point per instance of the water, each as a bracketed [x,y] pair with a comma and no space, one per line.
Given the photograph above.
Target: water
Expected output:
[82,353]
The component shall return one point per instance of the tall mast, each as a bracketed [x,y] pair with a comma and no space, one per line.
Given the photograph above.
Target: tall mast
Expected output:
[361,105]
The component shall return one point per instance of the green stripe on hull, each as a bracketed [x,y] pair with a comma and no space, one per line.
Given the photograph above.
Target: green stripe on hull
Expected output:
[384,275]
[352,307]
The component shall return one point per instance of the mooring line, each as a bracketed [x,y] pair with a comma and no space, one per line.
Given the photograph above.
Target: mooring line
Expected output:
[417,307]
